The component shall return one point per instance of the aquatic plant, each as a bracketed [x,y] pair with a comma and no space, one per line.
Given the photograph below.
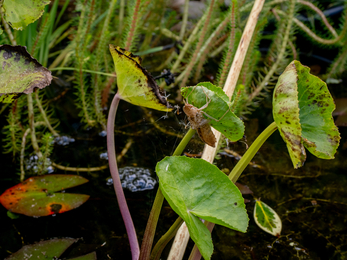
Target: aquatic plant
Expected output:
[81,45]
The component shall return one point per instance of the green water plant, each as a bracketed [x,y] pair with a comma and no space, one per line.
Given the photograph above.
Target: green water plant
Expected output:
[193,187]
[214,36]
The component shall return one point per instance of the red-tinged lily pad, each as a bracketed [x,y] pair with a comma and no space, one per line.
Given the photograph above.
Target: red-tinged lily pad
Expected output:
[20,73]
[49,249]
[35,196]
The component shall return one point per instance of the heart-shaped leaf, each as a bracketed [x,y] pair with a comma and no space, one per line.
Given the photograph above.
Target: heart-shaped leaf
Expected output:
[20,13]
[197,189]
[35,196]
[267,219]
[224,120]
[135,84]
[20,73]
[302,110]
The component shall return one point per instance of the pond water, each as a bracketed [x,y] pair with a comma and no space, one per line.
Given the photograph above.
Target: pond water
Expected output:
[311,201]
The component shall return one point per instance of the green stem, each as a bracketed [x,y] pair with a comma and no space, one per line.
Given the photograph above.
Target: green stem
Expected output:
[31,125]
[236,172]
[162,242]
[44,115]
[83,70]
[248,156]
[148,237]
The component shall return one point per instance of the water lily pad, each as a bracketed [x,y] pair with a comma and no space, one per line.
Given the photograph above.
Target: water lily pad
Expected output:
[197,189]
[20,73]
[302,110]
[227,123]
[20,13]
[49,249]
[35,196]
[135,84]
[267,219]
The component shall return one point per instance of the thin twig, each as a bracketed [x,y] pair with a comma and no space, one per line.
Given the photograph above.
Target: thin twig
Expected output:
[79,169]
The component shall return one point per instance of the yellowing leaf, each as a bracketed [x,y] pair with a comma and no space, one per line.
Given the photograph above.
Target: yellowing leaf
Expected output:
[20,13]
[135,84]
[267,219]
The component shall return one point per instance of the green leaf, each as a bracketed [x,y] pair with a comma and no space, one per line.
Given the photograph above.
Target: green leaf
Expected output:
[35,196]
[12,215]
[267,219]
[50,249]
[197,189]
[135,84]
[20,73]
[20,13]
[91,256]
[302,110]
[228,124]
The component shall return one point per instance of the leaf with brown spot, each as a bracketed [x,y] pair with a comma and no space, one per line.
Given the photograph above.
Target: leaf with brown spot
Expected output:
[302,110]
[20,73]
[35,196]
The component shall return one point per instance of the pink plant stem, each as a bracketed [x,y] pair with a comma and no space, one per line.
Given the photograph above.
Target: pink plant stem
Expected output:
[123,207]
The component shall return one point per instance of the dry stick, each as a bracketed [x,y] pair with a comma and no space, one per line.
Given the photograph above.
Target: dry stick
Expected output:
[79,169]
[93,169]
[229,87]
